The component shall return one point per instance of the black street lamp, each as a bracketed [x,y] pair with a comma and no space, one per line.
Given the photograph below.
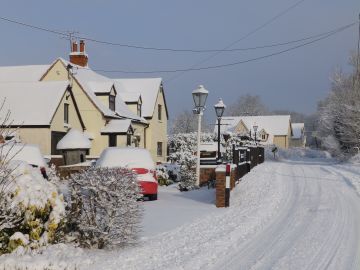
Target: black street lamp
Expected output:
[255,127]
[219,109]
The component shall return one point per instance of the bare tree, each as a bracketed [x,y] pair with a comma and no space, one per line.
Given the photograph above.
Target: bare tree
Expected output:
[186,122]
[247,105]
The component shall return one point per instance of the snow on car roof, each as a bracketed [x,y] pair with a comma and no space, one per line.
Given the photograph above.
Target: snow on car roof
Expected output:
[74,139]
[29,153]
[130,157]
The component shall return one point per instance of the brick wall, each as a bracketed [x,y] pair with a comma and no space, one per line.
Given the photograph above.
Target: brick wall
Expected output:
[220,188]
[207,174]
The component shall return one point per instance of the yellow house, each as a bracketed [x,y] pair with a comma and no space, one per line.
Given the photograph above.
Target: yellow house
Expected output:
[105,117]
[270,129]
[97,111]
[40,111]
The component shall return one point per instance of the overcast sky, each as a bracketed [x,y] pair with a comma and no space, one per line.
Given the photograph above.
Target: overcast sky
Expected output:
[296,80]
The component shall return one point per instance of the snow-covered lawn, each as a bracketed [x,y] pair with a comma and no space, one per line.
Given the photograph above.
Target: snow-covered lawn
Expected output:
[174,208]
[297,214]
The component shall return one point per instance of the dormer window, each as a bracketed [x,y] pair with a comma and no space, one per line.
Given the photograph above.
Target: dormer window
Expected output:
[112,103]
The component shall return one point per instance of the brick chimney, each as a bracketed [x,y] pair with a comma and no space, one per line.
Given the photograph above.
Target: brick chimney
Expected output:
[79,58]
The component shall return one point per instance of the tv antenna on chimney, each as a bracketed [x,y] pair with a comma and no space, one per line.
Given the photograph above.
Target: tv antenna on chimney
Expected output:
[70,35]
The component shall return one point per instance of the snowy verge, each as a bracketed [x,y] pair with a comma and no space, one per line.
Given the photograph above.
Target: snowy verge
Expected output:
[195,245]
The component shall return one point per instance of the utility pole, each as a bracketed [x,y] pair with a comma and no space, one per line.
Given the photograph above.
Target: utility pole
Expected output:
[358,53]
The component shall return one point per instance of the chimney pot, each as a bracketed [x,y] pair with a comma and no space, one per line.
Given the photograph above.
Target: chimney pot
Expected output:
[82,46]
[74,46]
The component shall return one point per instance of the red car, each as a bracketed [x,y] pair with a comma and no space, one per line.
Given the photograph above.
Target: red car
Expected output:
[137,159]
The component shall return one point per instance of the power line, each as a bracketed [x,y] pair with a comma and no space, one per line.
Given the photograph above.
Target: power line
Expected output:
[358,53]
[271,45]
[228,64]
[35,27]
[71,34]
[266,23]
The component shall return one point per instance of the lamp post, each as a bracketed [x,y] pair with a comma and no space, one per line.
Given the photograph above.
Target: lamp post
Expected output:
[219,109]
[199,95]
[255,127]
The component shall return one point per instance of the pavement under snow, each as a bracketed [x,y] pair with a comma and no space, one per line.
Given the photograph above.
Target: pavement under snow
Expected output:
[289,214]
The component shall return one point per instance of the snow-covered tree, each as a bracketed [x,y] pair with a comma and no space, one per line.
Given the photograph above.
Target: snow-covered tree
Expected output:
[183,147]
[339,122]
[104,208]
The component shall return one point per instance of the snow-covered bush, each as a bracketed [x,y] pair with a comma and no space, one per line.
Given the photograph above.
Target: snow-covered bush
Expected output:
[162,175]
[104,210]
[31,210]
[183,147]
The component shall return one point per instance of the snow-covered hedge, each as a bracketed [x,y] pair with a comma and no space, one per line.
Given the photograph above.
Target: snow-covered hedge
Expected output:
[104,208]
[31,210]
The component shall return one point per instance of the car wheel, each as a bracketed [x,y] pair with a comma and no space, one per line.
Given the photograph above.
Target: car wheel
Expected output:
[153,197]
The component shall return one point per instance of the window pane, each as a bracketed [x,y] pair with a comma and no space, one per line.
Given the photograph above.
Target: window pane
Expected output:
[66,113]
[159,112]
[112,140]
[112,103]
[159,148]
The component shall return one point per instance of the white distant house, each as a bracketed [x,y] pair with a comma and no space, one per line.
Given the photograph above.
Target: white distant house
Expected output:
[299,138]
[271,129]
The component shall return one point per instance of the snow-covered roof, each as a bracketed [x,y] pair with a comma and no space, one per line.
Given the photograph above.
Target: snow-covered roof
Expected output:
[84,76]
[272,124]
[147,87]
[123,110]
[129,157]
[297,130]
[30,73]
[74,139]
[100,87]
[88,79]
[117,126]
[32,103]
[130,97]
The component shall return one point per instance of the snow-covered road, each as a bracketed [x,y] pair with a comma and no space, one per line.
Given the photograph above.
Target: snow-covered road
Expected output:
[283,215]
[317,225]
